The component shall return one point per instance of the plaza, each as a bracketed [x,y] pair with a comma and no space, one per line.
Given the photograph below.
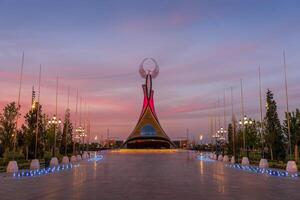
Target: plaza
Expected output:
[150,174]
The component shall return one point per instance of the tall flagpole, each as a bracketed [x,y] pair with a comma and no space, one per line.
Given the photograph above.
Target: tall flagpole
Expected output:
[243,115]
[18,105]
[219,115]
[224,120]
[287,106]
[67,128]
[261,114]
[56,101]
[211,126]
[76,110]
[233,121]
[37,113]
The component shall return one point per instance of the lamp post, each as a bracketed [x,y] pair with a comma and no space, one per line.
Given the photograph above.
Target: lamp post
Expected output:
[222,138]
[80,132]
[200,139]
[54,122]
[219,138]
[244,122]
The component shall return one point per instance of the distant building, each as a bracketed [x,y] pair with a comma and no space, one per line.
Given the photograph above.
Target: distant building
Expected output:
[181,143]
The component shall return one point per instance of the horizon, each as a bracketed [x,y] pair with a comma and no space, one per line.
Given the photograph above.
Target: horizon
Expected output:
[202,48]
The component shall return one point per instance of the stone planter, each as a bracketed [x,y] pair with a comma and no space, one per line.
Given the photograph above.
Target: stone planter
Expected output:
[53,162]
[35,164]
[225,158]
[291,167]
[12,167]
[263,163]
[220,158]
[85,155]
[65,160]
[78,157]
[73,159]
[215,156]
[232,160]
[245,161]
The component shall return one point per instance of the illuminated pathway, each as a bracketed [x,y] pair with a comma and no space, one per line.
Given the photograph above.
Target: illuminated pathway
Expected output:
[150,175]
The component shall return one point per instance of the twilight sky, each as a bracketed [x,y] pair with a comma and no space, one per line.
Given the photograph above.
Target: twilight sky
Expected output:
[202,47]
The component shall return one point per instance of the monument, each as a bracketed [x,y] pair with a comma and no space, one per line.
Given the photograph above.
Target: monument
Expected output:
[148,133]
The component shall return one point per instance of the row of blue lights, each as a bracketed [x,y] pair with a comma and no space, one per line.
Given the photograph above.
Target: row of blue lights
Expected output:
[204,158]
[96,158]
[270,172]
[44,171]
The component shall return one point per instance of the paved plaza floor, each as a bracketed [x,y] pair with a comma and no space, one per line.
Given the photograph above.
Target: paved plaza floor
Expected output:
[153,176]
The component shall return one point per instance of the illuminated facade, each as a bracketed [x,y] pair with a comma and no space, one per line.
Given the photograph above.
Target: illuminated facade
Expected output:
[148,132]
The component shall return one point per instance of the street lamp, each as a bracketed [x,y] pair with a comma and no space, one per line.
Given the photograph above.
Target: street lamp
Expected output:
[80,133]
[200,139]
[245,122]
[54,122]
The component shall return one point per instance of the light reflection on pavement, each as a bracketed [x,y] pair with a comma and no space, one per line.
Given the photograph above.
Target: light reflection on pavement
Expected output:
[151,175]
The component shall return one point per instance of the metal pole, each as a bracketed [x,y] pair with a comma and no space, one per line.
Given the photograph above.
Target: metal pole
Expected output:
[74,137]
[56,101]
[224,104]
[243,115]
[287,106]
[261,114]
[18,104]
[67,128]
[219,114]
[80,106]
[37,114]
[233,121]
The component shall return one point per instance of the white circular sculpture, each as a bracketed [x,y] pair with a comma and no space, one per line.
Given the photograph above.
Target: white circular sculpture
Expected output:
[245,161]
[53,162]
[35,164]
[232,160]
[12,167]
[291,167]
[153,72]
[263,163]
[225,158]
[78,157]
[220,158]
[65,160]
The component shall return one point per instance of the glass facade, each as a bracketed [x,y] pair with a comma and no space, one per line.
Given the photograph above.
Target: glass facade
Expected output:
[148,130]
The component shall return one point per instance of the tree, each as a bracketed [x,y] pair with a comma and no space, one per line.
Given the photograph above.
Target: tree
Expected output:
[273,132]
[29,132]
[67,137]
[294,118]
[230,139]
[8,125]
[252,135]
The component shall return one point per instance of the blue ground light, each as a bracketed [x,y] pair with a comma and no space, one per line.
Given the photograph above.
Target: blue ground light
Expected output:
[253,169]
[205,158]
[95,158]
[269,172]
[40,172]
